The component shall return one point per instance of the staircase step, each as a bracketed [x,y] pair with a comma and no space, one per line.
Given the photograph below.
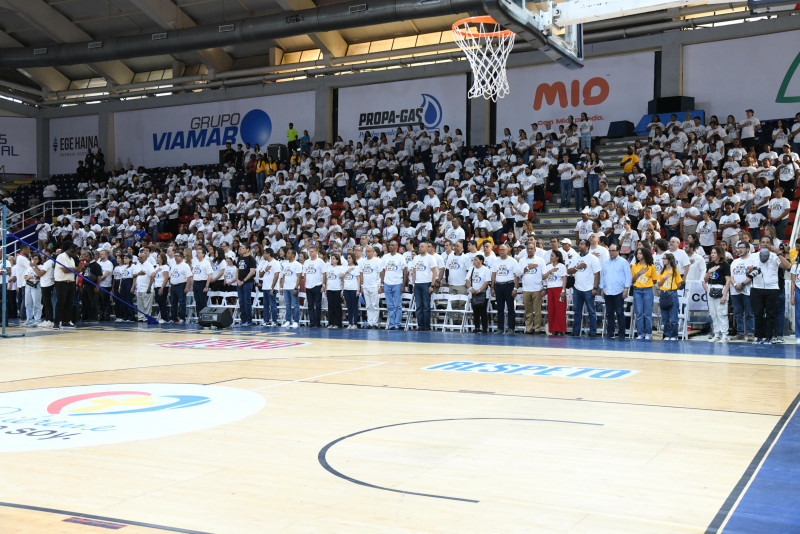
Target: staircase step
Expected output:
[556,218]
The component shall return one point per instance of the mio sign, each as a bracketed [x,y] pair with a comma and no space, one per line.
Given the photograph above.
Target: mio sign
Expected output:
[594,92]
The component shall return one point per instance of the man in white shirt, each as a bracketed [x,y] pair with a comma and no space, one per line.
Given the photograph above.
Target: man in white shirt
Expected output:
[457,265]
[180,280]
[586,270]
[740,293]
[779,208]
[505,282]
[142,286]
[681,258]
[423,272]
[201,271]
[314,268]
[291,276]
[270,272]
[21,265]
[764,293]
[371,279]
[395,278]
[531,268]
[749,128]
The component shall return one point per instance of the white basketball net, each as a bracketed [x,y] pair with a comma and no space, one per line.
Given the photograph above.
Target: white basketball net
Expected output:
[486,45]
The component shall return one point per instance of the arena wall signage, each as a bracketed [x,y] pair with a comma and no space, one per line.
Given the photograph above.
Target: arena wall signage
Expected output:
[608,89]
[81,416]
[382,108]
[713,74]
[196,133]
[18,145]
[70,140]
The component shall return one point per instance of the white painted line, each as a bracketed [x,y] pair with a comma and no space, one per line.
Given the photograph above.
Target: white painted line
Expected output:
[318,376]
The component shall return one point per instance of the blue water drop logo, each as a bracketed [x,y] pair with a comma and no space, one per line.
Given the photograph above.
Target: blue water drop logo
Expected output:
[431,111]
[256,128]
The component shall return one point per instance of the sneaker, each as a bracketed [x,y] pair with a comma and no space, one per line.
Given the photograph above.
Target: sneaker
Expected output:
[286,324]
[758,341]
[56,327]
[750,338]
[646,337]
[246,324]
[778,340]
[162,321]
[119,320]
[640,336]
[68,325]
[295,325]
[711,336]
[723,339]
[738,337]
[266,325]
[712,339]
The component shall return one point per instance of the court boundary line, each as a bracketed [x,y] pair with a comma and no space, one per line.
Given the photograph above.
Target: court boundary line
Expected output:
[548,398]
[287,382]
[737,493]
[100,518]
[323,460]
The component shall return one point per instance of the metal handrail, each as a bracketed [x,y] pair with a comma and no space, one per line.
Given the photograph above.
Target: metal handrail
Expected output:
[49,208]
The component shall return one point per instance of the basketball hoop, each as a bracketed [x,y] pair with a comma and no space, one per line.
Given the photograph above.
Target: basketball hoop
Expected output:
[486,45]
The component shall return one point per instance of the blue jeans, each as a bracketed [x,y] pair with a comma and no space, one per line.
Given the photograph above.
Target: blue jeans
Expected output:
[594,184]
[615,313]
[261,177]
[586,140]
[351,299]
[745,321]
[643,304]
[177,299]
[579,198]
[579,299]
[245,294]
[270,297]
[292,306]
[314,303]
[566,192]
[394,297]
[669,317]
[422,300]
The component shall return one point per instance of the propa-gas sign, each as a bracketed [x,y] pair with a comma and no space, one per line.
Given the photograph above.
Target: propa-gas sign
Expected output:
[203,131]
[429,113]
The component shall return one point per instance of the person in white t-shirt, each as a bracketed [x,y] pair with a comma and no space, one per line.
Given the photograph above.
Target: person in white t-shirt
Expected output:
[395,279]
[202,270]
[291,276]
[586,269]
[142,285]
[372,274]
[740,293]
[314,269]
[180,280]
[269,272]
[424,271]
[749,128]
[531,268]
[505,283]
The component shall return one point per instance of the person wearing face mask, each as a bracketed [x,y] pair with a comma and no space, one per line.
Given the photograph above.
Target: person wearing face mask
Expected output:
[764,293]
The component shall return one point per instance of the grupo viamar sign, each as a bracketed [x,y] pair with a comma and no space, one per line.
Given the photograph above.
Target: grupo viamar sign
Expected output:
[81,416]
[196,133]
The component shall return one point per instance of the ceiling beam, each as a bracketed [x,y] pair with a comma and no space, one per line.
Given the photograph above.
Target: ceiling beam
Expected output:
[48,78]
[62,30]
[169,16]
[332,43]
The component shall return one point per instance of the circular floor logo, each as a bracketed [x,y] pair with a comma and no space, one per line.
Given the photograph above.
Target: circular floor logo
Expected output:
[80,416]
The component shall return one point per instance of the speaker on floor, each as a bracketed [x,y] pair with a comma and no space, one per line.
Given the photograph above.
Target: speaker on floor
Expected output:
[215,316]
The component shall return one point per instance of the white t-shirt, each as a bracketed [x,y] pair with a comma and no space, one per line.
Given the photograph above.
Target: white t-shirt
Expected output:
[768,277]
[291,274]
[777,205]
[530,271]
[66,261]
[505,269]
[556,278]
[371,273]
[143,280]
[201,270]
[739,274]
[393,265]
[422,266]
[315,272]
[351,277]
[47,278]
[270,268]
[334,283]
[180,273]
[584,276]
[480,276]
[457,269]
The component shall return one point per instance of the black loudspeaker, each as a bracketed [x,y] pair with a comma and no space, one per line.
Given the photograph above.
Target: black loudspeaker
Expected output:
[620,129]
[278,152]
[215,316]
[670,104]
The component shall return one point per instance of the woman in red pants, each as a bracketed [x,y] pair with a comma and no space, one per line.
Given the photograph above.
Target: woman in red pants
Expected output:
[555,276]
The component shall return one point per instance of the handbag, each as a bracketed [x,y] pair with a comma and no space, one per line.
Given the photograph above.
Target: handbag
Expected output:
[478,299]
[665,300]
[715,292]
[32,283]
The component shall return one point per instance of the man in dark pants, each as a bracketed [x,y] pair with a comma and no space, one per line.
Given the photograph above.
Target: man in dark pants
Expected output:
[246,271]
[505,281]
[615,281]
[89,292]
[764,293]
[314,269]
[65,288]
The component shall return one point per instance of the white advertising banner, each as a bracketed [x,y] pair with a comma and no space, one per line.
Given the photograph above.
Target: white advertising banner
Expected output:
[18,145]
[195,134]
[382,108]
[714,74]
[608,89]
[698,299]
[72,138]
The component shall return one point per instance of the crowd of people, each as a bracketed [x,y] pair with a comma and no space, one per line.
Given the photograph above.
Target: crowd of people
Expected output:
[419,212]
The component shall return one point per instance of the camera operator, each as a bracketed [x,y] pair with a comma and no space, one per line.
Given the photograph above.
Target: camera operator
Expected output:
[765,292]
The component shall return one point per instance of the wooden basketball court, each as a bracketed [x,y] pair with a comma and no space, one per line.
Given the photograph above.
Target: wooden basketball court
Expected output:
[352,432]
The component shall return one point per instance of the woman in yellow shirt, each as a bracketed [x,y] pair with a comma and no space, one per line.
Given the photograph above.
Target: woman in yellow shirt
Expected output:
[668,282]
[483,235]
[261,173]
[643,274]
